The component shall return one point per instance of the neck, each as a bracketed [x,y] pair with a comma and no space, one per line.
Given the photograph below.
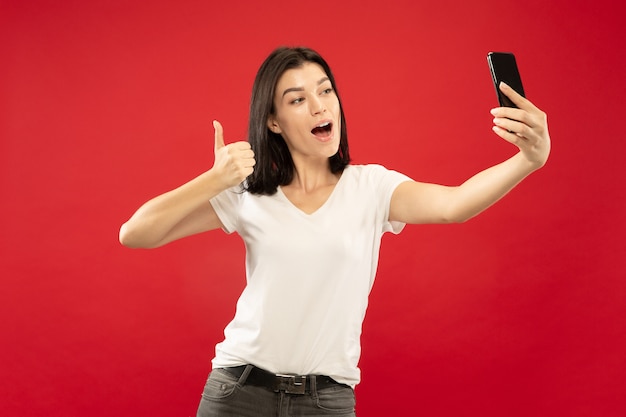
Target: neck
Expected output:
[312,175]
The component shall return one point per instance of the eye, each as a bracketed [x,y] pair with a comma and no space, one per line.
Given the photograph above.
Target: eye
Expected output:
[297,100]
[327,90]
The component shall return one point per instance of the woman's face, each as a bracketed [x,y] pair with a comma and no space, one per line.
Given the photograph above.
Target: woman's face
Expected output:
[307,112]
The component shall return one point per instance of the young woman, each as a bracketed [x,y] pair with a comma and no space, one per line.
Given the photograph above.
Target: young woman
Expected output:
[312,224]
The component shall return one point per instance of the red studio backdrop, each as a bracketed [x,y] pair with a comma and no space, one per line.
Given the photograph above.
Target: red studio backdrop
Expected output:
[105,104]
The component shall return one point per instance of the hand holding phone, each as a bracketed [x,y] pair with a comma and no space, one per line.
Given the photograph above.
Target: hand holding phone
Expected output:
[525,126]
[503,68]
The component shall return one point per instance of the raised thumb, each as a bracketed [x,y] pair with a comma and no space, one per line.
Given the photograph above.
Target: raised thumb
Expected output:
[219,135]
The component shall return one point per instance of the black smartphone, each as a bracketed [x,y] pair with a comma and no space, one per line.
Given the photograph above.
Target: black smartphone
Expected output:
[503,67]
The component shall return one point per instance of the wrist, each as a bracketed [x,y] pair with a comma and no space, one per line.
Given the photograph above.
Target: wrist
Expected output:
[212,182]
[527,164]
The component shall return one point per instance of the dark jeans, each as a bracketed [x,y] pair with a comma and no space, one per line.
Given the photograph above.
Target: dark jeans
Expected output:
[225,395]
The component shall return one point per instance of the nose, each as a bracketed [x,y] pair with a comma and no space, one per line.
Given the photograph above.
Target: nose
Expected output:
[317,105]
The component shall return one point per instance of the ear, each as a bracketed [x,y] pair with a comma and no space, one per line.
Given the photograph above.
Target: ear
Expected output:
[273,125]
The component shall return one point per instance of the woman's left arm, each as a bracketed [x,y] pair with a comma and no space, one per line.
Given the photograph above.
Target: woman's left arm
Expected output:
[526,127]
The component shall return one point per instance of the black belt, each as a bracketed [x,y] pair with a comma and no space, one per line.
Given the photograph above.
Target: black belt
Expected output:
[290,384]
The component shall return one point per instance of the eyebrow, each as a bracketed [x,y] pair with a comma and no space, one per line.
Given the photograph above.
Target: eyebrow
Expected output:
[289,90]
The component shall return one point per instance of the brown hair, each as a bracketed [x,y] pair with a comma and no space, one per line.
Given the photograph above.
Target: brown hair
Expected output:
[274,165]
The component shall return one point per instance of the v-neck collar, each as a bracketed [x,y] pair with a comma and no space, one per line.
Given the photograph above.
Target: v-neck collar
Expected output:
[324,204]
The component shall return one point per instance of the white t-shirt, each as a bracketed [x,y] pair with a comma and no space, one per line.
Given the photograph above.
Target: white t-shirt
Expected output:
[308,275]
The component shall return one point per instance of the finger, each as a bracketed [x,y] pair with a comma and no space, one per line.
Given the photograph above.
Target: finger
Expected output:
[528,119]
[219,135]
[512,126]
[517,99]
[247,158]
[511,137]
[241,145]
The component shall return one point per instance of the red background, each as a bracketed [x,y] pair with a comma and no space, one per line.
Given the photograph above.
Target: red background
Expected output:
[519,312]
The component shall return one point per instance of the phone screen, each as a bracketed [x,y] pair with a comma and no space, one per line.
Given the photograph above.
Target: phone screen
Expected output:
[504,68]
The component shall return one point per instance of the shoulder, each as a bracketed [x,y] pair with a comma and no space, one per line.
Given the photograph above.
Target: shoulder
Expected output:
[372,172]
[365,170]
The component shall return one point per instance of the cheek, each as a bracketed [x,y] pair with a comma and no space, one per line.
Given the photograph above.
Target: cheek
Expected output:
[337,113]
[284,121]
[336,108]
[288,127]
[296,120]
[290,130]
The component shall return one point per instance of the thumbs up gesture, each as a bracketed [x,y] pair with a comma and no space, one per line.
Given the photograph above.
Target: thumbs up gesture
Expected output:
[233,162]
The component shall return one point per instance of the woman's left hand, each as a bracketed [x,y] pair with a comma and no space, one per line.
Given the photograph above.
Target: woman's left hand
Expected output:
[526,127]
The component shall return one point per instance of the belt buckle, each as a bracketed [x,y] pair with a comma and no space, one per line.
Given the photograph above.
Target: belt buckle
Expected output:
[291,384]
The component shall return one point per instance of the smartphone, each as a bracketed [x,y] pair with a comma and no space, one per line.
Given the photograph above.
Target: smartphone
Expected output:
[503,67]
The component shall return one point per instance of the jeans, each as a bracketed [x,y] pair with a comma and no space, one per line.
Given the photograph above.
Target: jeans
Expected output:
[225,395]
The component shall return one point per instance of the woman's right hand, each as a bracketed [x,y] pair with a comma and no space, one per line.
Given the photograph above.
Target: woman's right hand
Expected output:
[186,210]
[233,162]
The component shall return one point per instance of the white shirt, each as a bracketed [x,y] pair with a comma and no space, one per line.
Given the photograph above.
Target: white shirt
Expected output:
[308,275]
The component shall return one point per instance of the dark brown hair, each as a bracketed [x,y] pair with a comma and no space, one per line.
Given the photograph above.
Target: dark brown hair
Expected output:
[274,165]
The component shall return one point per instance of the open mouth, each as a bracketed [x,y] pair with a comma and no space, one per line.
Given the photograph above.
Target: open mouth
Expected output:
[323,130]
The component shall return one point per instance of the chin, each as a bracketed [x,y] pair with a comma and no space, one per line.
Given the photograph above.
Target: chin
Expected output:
[333,147]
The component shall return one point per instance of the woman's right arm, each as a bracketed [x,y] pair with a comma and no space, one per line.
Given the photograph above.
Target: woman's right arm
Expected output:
[186,210]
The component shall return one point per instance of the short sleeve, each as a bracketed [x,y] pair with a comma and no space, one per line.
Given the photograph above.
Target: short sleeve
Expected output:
[226,205]
[388,180]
